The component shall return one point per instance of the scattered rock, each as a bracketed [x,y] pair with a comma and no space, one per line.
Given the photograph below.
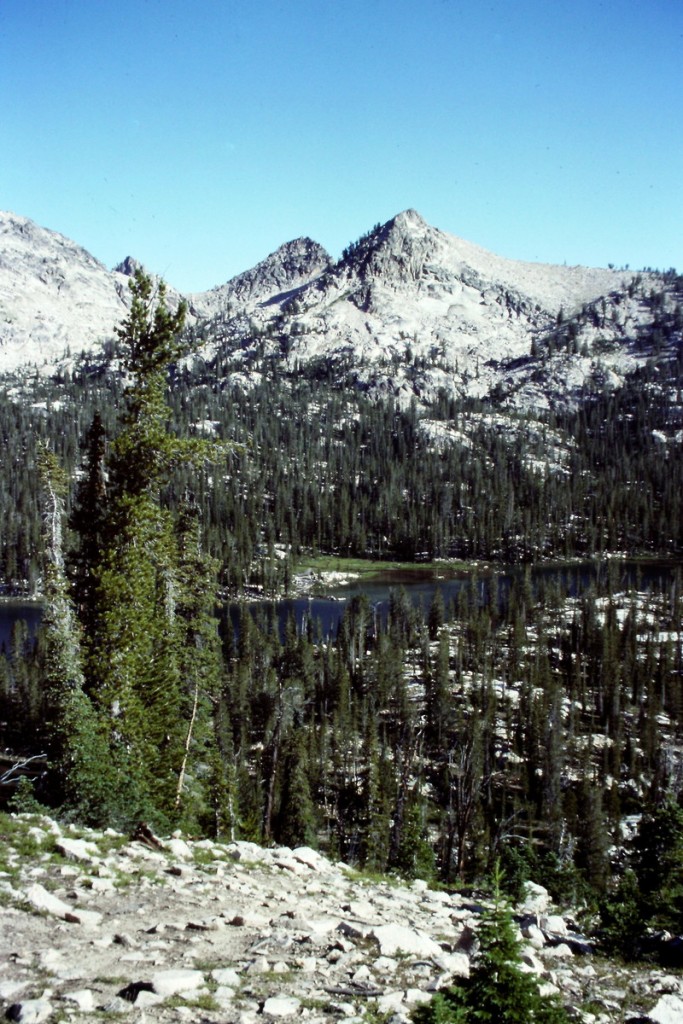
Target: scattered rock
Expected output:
[308,932]
[532,933]
[353,930]
[532,962]
[117,1005]
[456,965]
[248,853]
[668,1010]
[225,976]
[77,915]
[536,899]
[281,1006]
[554,924]
[391,1002]
[82,997]
[416,995]
[131,992]
[31,1011]
[8,989]
[77,849]
[398,938]
[179,848]
[310,858]
[172,982]
[559,952]
[41,899]
[385,965]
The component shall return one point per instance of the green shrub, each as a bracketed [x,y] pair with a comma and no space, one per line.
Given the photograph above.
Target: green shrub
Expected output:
[497,991]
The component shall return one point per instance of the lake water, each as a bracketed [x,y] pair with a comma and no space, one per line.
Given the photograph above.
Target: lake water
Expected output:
[325,613]
[12,611]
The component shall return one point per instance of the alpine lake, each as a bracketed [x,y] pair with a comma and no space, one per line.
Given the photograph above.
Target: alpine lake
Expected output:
[322,608]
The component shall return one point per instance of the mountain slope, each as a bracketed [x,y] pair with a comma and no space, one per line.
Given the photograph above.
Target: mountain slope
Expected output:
[53,295]
[408,311]
[233,932]
[414,311]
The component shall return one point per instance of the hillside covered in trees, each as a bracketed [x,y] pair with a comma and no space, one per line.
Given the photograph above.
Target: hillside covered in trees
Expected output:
[529,726]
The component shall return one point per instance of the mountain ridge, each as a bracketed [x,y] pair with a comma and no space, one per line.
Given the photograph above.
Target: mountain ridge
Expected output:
[413,309]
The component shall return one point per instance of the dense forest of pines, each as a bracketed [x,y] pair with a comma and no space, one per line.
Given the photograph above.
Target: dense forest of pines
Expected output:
[434,743]
[321,468]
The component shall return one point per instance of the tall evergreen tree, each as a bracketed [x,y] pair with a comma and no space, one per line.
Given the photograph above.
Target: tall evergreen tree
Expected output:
[88,520]
[77,750]
[138,636]
[296,824]
[207,737]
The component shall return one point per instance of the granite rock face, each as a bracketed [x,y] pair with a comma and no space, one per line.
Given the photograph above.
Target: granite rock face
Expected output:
[407,312]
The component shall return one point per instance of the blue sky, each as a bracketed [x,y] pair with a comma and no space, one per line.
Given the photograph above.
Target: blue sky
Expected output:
[199,136]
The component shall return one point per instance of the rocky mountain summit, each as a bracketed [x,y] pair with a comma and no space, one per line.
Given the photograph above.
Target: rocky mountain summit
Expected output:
[181,930]
[272,281]
[407,311]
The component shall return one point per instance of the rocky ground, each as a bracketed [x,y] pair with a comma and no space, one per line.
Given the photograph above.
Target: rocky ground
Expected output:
[95,924]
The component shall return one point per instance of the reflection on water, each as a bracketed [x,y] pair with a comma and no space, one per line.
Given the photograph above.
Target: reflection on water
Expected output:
[13,611]
[323,614]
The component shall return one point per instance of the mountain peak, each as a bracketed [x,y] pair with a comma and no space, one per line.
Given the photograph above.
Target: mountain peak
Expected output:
[129,266]
[290,266]
[409,220]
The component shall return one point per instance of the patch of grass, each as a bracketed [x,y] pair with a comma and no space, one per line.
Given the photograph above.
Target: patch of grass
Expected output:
[122,879]
[367,569]
[372,1015]
[206,965]
[366,877]
[204,858]
[310,1003]
[253,865]
[110,844]
[591,1006]
[281,977]
[15,842]
[204,1001]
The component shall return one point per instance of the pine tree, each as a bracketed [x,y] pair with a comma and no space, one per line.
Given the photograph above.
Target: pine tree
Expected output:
[375,802]
[88,520]
[77,751]
[296,824]
[137,641]
[497,990]
[207,737]
[659,865]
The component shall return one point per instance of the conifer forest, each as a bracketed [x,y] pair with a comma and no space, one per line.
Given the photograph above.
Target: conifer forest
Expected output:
[529,722]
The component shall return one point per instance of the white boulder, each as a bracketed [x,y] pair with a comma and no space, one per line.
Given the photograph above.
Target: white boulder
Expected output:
[281,1006]
[31,1011]
[398,938]
[668,1010]
[173,982]
[536,899]
[77,849]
